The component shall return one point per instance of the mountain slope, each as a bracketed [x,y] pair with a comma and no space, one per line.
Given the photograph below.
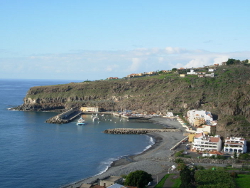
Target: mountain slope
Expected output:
[226,96]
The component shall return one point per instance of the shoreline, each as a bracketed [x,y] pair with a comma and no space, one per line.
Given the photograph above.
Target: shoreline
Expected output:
[153,160]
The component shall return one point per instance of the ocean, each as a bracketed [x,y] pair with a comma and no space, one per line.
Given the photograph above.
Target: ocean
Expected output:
[35,154]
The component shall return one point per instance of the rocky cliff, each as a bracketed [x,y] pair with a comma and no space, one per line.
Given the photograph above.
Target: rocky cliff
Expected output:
[227,96]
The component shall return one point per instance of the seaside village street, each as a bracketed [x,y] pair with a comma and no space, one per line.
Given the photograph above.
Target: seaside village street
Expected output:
[194,140]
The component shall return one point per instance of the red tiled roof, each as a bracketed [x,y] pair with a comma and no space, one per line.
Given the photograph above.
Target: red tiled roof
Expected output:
[214,139]
[215,152]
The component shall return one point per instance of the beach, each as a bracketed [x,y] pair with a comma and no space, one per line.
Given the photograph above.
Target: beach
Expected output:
[155,160]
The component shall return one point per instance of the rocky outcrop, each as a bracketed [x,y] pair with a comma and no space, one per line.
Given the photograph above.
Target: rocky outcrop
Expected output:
[227,96]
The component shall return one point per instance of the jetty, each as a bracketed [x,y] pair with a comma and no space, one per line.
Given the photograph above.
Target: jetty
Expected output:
[64,117]
[137,131]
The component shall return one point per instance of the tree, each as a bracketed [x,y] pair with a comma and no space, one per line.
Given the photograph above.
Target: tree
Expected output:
[138,178]
[174,69]
[187,177]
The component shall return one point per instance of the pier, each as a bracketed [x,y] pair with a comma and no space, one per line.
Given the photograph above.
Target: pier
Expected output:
[65,117]
[137,131]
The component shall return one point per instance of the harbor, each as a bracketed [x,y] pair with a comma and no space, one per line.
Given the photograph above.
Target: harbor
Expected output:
[65,117]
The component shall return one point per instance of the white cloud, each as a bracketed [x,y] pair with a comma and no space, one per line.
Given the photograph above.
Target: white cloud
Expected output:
[136,62]
[102,64]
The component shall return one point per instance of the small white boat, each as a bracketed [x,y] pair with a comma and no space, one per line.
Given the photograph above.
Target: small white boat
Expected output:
[81,121]
[95,118]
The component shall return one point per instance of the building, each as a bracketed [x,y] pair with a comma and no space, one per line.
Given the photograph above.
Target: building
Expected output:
[203,142]
[112,78]
[209,75]
[192,72]
[89,109]
[200,117]
[210,70]
[111,180]
[182,75]
[210,129]
[235,144]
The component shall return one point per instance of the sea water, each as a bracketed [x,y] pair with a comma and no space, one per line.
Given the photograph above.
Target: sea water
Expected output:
[35,154]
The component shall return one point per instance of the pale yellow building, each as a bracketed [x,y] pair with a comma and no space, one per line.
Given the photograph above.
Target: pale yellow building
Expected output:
[89,109]
[198,121]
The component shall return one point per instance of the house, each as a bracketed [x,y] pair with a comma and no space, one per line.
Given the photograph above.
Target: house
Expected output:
[112,78]
[203,142]
[89,109]
[210,70]
[201,75]
[209,75]
[120,186]
[182,75]
[199,117]
[235,144]
[192,72]
[111,180]
[169,114]
[211,129]
[86,185]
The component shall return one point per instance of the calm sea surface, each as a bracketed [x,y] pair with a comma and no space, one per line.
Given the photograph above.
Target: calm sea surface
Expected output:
[35,154]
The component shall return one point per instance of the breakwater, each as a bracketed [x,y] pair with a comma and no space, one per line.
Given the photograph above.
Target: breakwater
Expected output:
[64,117]
[137,131]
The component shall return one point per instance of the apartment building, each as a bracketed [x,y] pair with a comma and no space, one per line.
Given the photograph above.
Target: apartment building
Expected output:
[204,142]
[235,144]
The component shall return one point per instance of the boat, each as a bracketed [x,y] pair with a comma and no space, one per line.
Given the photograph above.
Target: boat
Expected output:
[80,121]
[95,118]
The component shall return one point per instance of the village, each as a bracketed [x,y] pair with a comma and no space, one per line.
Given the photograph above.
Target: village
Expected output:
[202,128]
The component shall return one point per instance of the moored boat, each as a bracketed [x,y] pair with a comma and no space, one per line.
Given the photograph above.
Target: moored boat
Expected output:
[81,121]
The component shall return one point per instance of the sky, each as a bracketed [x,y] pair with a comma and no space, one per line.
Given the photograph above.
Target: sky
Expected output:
[97,39]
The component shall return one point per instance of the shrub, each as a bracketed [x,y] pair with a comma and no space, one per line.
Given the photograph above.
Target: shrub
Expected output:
[138,178]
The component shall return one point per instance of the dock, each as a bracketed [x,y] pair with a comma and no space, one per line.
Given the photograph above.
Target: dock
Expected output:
[64,117]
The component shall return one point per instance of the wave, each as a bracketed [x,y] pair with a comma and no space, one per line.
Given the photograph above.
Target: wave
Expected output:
[151,143]
[107,164]
[11,109]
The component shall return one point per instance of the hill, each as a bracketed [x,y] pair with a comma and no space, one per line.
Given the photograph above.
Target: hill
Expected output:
[227,96]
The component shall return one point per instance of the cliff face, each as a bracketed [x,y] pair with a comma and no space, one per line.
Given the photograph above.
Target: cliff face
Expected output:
[226,96]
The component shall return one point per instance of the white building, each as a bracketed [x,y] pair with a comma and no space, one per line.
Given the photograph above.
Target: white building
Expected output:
[210,70]
[235,144]
[209,75]
[200,117]
[204,142]
[192,72]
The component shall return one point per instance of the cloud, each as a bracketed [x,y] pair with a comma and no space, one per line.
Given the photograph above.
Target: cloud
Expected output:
[94,65]
[136,62]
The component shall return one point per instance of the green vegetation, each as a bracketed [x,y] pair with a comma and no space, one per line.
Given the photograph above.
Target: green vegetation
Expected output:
[177,182]
[244,156]
[161,183]
[243,181]
[213,178]
[236,62]
[138,178]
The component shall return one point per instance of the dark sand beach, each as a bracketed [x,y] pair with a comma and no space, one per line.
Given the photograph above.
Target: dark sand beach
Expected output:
[154,160]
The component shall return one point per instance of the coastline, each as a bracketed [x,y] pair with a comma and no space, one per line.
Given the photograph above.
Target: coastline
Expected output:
[154,160]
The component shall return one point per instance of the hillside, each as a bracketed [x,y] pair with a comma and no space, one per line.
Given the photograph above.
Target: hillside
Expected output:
[227,96]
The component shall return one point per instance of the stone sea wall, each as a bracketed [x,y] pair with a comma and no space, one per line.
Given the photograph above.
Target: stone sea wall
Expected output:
[137,131]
